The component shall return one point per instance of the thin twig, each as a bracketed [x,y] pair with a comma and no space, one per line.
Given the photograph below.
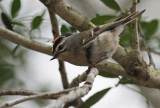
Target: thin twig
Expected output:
[135,38]
[54,22]
[16,92]
[34,96]
[79,92]
[63,74]
[49,95]
[151,62]
[24,99]
[55,31]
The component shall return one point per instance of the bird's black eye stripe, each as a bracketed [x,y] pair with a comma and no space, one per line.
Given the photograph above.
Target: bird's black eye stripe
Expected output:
[56,43]
[60,47]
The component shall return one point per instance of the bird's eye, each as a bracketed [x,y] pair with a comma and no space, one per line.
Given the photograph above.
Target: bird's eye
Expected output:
[61,47]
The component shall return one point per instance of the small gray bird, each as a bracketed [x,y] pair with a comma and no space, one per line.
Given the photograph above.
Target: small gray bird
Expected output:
[91,46]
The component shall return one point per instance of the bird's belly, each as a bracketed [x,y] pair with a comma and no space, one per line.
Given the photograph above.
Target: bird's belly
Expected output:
[105,47]
[79,61]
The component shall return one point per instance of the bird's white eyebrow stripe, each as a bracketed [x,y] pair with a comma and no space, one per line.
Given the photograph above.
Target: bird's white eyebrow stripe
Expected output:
[56,43]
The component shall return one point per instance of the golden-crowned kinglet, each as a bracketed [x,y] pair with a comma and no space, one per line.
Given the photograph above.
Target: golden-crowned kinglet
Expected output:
[91,46]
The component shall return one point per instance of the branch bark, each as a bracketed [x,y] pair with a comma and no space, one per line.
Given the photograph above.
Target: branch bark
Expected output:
[26,42]
[69,14]
[47,95]
[16,92]
[135,38]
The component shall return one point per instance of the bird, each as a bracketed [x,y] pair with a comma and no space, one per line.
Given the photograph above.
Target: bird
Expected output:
[91,46]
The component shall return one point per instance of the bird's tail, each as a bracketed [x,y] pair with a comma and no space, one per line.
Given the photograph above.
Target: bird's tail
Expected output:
[121,21]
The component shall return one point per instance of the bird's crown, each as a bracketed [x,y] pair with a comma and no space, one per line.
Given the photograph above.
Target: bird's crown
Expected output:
[56,42]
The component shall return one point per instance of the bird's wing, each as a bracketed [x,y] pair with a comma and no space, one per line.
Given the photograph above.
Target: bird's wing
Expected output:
[121,21]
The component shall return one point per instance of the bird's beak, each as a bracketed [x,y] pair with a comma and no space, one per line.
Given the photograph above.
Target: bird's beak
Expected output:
[55,56]
[52,58]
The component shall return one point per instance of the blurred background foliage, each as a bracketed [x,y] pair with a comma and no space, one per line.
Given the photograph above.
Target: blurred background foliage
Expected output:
[12,55]
[9,59]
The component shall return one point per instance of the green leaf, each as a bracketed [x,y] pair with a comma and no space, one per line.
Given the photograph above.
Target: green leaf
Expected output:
[129,26]
[138,1]
[67,31]
[101,19]
[72,29]
[36,22]
[131,82]
[6,72]
[125,39]
[43,13]
[6,21]
[8,65]
[15,49]
[127,81]
[149,28]
[17,23]
[112,4]
[64,29]
[108,74]
[16,5]
[94,98]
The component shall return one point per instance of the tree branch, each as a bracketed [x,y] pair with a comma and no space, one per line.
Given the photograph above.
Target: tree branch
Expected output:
[43,95]
[63,74]
[48,95]
[135,38]
[79,92]
[16,92]
[26,42]
[69,14]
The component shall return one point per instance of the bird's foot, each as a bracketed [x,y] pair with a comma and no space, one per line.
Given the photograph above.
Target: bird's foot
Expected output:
[90,67]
